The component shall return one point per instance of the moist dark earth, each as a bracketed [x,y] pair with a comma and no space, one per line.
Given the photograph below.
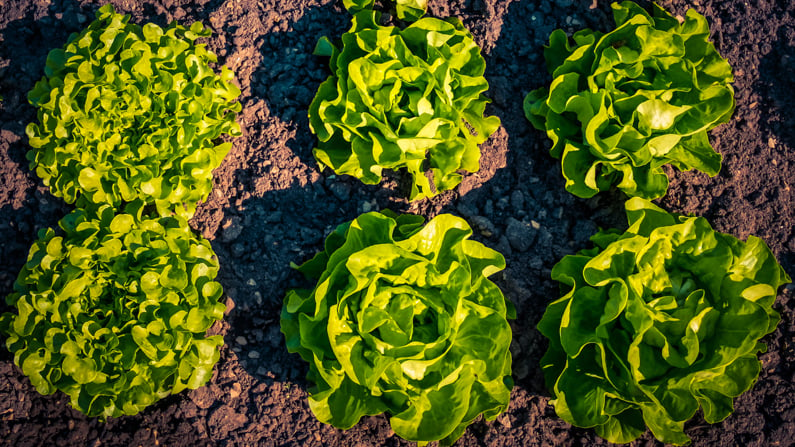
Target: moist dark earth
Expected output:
[271,205]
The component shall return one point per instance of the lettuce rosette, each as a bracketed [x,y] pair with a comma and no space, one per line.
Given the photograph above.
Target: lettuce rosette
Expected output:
[131,113]
[113,310]
[657,322]
[402,98]
[403,320]
[624,103]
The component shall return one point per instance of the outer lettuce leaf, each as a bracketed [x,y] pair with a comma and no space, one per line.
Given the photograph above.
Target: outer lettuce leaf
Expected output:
[113,312]
[623,104]
[403,320]
[397,98]
[657,322]
[128,112]
[411,10]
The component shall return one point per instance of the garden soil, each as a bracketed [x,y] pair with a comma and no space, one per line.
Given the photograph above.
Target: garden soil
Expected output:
[271,206]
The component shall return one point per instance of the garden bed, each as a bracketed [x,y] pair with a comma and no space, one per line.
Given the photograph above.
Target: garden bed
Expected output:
[270,205]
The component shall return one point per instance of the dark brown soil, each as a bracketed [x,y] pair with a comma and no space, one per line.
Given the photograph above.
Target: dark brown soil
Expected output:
[271,206]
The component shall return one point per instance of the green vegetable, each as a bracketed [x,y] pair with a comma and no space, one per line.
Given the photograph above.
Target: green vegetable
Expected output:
[409,10]
[657,322]
[403,320]
[114,311]
[397,98]
[129,112]
[623,104]
[355,6]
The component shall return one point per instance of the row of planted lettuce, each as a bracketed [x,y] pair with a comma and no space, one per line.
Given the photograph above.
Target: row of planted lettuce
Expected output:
[113,308]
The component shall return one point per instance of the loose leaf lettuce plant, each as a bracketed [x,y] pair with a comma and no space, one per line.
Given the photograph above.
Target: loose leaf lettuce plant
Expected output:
[623,104]
[113,312]
[128,112]
[656,322]
[402,98]
[403,320]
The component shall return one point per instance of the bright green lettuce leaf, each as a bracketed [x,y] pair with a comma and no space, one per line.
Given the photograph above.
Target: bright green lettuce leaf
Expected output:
[623,104]
[128,112]
[355,6]
[402,98]
[411,10]
[403,320]
[113,310]
[657,322]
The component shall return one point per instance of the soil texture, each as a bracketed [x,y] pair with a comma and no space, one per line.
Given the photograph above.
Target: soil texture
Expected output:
[271,206]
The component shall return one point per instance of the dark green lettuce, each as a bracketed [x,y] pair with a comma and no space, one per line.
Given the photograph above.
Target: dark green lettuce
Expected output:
[656,322]
[623,104]
[113,311]
[128,112]
[402,98]
[403,320]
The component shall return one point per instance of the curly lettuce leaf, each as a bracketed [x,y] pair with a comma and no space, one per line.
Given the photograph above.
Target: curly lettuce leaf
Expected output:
[623,104]
[410,98]
[131,113]
[657,322]
[403,320]
[113,310]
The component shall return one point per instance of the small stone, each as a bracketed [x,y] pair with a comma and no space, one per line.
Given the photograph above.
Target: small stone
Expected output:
[238,250]
[520,234]
[482,224]
[229,303]
[341,190]
[274,336]
[253,354]
[517,200]
[235,390]
[241,340]
[231,229]
[251,282]
[465,209]
[488,208]
[273,217]
[366,207]
[203,397]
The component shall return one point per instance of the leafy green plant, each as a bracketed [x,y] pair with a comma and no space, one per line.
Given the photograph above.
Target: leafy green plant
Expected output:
[409,10]
[623,104]
[400,98]
[403,320]
[128,112]
[656,322]
[114,311]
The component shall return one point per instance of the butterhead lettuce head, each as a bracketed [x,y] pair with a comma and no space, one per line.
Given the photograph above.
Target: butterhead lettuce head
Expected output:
[403,320]
[624,103]
[657,322]
[402,98]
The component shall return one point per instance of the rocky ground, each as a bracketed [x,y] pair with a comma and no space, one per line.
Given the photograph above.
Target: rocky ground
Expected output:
[271,205]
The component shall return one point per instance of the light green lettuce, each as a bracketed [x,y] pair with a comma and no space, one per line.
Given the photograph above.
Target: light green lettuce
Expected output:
[409,10]
[623,104]
[128,112]
[402,98]
[113,311]
[403,320]
[657,322]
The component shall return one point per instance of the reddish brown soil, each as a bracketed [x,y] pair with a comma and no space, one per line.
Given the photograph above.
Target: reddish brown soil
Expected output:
[271,206]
